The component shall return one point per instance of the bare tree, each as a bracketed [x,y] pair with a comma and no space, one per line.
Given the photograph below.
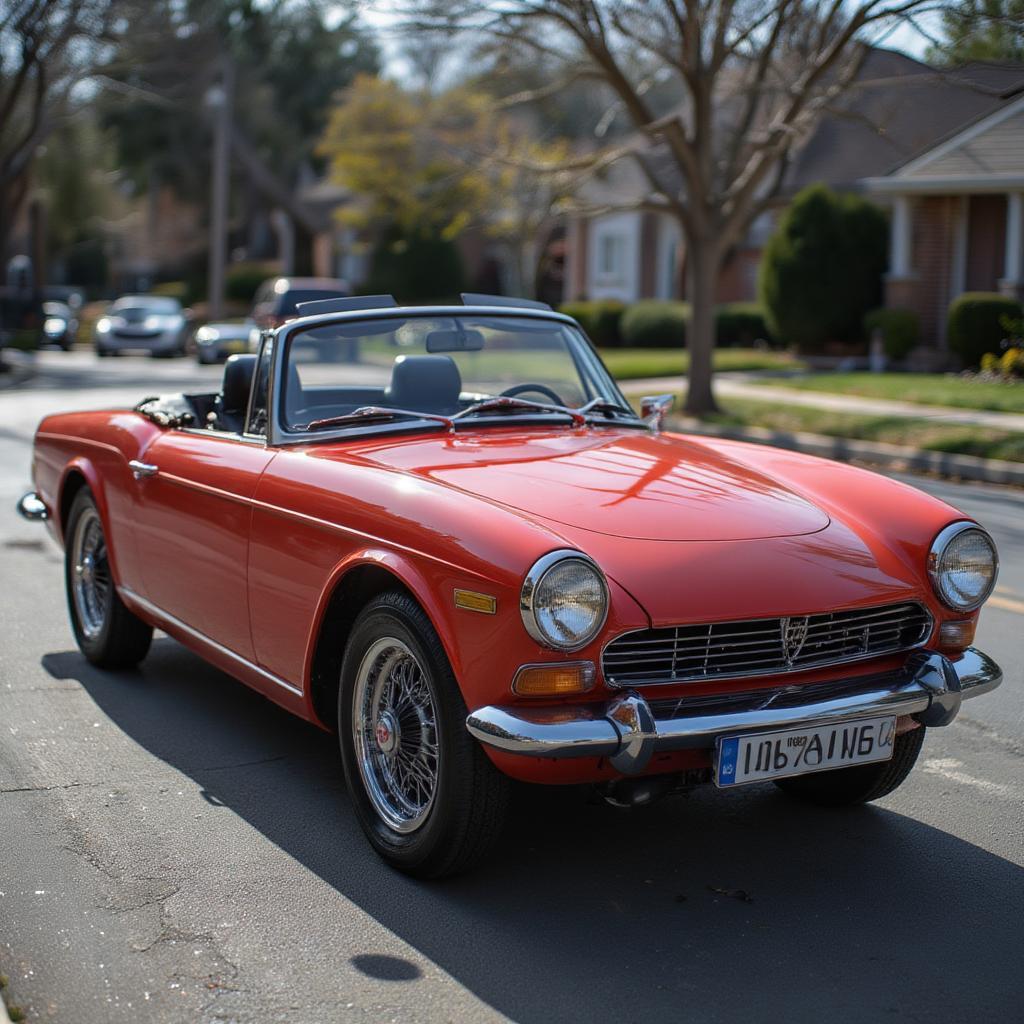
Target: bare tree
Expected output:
[46,48]
[754,77]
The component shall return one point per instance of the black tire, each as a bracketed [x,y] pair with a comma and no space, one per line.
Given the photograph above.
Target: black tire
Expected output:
[470,795]
[860,784]
[122,639]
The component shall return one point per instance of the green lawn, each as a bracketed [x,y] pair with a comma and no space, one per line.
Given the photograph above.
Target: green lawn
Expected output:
[925,388]
[963,440]
[630,363]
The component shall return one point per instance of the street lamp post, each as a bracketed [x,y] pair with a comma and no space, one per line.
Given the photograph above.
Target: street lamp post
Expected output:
[219,98]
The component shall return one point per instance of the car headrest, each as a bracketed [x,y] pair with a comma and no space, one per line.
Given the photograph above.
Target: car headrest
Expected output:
[234,392]
[425,384]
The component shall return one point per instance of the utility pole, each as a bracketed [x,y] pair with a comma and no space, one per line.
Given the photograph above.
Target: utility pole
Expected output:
[220,97]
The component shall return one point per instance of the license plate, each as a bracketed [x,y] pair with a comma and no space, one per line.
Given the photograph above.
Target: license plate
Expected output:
[775,755]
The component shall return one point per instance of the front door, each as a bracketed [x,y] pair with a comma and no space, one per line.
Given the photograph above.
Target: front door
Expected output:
[193,531]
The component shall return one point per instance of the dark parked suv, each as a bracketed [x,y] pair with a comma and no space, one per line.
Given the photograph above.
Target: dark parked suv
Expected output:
[277,298]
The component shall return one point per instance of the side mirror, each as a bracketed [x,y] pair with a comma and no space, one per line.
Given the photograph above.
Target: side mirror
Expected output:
[654,409]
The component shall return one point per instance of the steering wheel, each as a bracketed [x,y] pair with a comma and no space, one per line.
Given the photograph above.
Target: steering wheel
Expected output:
[518,389]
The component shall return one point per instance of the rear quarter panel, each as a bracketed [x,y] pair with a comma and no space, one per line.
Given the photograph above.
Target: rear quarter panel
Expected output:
[98,446]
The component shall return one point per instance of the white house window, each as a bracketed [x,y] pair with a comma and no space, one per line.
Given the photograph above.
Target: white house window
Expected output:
[610,254]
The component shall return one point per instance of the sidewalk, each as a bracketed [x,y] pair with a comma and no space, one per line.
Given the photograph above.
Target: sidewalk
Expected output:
[741,386]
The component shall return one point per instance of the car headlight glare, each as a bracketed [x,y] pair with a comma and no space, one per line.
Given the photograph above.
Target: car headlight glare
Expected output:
[564,600]
[962,565]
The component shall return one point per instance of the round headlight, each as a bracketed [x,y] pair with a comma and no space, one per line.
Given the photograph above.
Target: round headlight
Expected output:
[962,565]
[564,600]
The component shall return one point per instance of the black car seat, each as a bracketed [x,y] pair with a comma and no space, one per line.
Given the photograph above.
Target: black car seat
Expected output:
[229,407]
[424,384]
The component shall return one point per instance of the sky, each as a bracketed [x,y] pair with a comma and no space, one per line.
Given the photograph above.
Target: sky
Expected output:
[382,16]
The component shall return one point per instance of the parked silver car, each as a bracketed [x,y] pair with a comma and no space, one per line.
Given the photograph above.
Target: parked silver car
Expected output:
[143,323]
[215,342]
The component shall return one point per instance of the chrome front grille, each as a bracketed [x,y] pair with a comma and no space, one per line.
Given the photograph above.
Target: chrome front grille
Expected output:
[733,650]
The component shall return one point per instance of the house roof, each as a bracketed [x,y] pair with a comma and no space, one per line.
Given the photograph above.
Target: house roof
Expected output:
[897,109]
[986,154]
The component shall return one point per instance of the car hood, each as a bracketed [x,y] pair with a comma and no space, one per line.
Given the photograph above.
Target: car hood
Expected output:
[618,483]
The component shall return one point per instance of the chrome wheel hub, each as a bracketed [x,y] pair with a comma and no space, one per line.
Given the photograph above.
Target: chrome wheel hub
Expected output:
[394,728]
[389,738]
[90,585]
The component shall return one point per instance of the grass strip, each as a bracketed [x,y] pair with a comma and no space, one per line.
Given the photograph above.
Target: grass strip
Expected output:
[983,442]
[922,388]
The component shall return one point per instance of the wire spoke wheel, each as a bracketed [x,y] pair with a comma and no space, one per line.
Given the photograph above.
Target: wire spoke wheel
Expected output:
[394,728]
[91,581]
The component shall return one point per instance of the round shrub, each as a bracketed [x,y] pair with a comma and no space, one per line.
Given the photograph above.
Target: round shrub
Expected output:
[740,323]
[822,269]
[901,330]
[655,323]
[975,326]
[173,290]
[599,318]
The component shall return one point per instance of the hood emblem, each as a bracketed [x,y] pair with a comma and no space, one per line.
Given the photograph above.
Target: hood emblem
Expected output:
[794,636]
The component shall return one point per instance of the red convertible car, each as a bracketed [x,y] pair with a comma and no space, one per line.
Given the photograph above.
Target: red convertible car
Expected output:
[444,533]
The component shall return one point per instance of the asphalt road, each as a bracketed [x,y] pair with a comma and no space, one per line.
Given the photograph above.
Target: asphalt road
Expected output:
[175,848]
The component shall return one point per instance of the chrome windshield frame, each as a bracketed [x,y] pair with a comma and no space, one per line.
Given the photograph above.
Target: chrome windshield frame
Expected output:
[278,434]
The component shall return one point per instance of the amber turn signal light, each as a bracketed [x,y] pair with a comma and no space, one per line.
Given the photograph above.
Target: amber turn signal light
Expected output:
[555,680]
[957,636]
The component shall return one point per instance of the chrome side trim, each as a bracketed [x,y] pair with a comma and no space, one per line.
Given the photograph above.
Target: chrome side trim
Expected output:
[31,507]
[929,686]
[164,617]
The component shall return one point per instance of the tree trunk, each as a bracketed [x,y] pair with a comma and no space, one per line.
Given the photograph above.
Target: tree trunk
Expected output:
[702,280]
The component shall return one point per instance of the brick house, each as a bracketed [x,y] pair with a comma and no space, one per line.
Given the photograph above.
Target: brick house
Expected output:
[897,113]
[958,218]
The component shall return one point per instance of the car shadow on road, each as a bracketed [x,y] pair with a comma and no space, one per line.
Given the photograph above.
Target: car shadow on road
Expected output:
[741,906]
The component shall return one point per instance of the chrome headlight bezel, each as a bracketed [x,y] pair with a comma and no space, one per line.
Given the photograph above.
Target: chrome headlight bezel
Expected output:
[532,586]
[936,570]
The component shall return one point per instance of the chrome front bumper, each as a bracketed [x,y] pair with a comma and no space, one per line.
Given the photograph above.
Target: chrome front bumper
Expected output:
[628,729]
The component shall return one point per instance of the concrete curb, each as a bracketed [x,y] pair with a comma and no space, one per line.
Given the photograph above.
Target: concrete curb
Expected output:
[19,370]
[884,456]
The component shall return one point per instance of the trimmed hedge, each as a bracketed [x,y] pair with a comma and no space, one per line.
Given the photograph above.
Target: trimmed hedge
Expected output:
[173,290]
[600,319]
[974,326]
[655,323]
[901,330]
[242,280]
[740,324]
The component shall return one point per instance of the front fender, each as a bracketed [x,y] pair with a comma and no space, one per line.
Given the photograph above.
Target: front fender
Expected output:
[425,587]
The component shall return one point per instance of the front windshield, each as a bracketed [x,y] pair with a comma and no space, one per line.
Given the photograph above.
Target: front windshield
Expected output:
[441,366]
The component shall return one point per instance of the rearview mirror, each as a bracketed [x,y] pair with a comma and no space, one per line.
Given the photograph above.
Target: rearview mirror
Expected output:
[654,409]
[455,341]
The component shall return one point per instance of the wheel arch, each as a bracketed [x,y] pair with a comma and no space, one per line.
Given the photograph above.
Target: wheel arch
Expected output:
[352,586]
[77,474]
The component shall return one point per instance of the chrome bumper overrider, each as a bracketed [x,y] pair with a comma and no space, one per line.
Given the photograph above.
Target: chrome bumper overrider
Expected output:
[627,731]
[30,506]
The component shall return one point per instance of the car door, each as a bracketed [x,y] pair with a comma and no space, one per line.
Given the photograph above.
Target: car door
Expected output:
[195,512]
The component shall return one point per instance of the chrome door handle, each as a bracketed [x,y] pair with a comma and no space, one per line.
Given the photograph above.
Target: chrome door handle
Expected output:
[141,469]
